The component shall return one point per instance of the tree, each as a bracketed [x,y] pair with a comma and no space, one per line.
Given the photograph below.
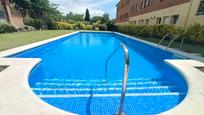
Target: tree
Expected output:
[39,7]
[74,17]
[87,16]
[105,18]
[96,19]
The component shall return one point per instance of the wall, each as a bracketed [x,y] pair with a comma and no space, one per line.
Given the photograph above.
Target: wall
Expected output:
[12,15]
[193,17]
[186,9]
[181,10]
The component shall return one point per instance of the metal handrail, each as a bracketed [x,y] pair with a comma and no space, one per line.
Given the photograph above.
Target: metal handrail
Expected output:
[171,42]
[108,59]
[125,79]
[162,39]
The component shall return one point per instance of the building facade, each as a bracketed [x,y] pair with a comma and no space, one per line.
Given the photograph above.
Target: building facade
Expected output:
[150,12]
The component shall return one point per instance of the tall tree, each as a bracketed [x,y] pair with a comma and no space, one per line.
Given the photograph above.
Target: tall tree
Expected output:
[87,16]
[105,18]
[96,19]
[74,17]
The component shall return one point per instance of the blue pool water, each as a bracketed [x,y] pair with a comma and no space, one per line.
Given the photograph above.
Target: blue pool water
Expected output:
[71,75]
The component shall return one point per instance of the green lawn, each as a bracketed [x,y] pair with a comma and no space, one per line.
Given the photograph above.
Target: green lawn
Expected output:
[191,48]
[12,40]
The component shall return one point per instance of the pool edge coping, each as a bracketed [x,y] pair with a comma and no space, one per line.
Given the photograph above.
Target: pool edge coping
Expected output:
[32,62]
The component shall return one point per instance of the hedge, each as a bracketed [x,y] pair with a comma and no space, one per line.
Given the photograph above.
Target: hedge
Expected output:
[7,28]
[36,23]
[193,33]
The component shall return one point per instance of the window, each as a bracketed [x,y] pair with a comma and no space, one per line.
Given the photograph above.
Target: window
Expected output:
[158,20]
[136,7]
[201,8]
[133,8]
[141,22]
[142,5]
[174,19]
[146,21]
[166,20]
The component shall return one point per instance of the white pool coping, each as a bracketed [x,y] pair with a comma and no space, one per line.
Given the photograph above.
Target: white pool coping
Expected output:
[16,97]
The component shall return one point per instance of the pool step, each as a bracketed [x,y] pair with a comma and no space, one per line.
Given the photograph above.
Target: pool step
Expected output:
[98,85]
[61,91]
[93,81]
[65,87]
[135,104]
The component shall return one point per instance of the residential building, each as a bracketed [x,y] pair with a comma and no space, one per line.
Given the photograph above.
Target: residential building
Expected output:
[150,12]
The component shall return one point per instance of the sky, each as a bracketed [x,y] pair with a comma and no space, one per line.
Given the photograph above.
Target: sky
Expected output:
[96,7]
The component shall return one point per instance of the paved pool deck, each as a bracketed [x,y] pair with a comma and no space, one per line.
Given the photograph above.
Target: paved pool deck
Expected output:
[17,98]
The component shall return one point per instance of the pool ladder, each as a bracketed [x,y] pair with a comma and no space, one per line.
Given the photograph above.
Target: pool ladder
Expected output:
[125,78]
[171,42]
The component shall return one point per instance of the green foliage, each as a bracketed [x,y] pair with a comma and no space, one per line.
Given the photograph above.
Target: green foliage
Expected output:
[74,17]
[96,19]
[87,16]
[105,18]
[7,28]
[64,26]
[102,27]
[39,7]
[193,33]
[80,25]
[88,27]
[36,23]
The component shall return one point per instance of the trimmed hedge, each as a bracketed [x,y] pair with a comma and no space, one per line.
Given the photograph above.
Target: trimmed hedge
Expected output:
[36,23]
[192,34]
[7,28]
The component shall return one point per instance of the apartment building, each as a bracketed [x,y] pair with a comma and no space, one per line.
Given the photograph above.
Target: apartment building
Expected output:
[150,12]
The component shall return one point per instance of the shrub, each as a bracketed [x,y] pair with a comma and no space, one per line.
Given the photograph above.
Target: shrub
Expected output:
[80,25]
[102,27]
[7,28]
[111,27]
[64,26]
[36,23]
[193,33]
[88,27]
[52,25]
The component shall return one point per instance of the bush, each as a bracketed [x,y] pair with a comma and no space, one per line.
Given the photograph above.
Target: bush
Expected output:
[36,23]
[111,27]
[64,26]
[80,25]
[193,33]
[52,25]
[102,27]
[7,28]
[88,27]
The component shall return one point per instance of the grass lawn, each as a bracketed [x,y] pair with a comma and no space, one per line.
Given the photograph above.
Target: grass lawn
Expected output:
[191,48]
[12,40]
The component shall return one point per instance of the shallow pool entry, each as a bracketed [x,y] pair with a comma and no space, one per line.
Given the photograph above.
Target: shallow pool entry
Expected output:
[72,75]
[97,97]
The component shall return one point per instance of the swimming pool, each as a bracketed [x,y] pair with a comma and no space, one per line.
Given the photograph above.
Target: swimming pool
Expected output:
[72,75]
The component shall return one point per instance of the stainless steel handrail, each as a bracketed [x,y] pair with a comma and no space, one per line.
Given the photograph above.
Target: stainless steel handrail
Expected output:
[125,79]
[171,42]
[162,39]
[108,59]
